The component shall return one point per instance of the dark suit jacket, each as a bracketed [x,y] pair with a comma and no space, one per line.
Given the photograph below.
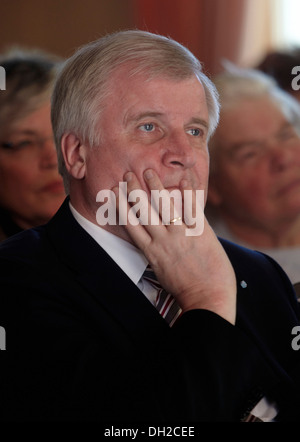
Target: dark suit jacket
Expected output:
[84,343]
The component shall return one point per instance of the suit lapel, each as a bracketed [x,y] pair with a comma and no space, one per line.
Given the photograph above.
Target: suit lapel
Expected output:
[102,277]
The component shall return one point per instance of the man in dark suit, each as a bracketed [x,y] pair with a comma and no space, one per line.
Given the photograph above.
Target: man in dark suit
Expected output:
[85,340]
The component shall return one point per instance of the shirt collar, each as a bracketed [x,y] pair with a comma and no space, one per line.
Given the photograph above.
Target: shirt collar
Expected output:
[129,258]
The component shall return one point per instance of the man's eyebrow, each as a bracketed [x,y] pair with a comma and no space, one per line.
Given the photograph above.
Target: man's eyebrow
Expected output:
[236,147]
[132,118]
[199,121]
[288,125]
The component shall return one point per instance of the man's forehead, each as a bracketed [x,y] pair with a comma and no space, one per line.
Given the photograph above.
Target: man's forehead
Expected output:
[161,107]
[139,96]
[124,84]
[133,72]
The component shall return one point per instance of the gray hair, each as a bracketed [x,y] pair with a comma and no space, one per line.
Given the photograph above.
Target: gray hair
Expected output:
[237,84]
[30,76]
[82,85]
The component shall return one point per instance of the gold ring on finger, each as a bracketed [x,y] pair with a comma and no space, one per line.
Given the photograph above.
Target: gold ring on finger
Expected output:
[175,219]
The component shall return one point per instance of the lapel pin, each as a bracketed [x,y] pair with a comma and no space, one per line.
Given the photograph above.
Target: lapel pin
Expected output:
[243,284]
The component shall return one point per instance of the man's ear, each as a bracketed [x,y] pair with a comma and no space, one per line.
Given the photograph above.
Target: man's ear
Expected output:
[74,153]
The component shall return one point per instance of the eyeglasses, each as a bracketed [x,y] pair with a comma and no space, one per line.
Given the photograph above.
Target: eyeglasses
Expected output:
[27,147]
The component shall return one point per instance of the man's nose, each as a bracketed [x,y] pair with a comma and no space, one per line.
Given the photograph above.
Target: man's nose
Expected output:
[179,153]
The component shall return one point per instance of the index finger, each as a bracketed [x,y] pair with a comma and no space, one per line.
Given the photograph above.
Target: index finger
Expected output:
[167,204]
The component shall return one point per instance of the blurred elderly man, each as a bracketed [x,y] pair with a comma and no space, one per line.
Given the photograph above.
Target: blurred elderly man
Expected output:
[254,189]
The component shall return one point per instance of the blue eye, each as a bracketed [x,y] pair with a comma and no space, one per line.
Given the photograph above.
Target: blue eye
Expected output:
[147,127]
[195,132]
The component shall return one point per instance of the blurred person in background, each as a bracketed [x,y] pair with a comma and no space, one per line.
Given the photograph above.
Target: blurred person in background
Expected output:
[31,189]
[254,190]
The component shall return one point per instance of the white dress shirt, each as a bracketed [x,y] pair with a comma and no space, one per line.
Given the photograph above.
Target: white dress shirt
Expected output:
[130,259]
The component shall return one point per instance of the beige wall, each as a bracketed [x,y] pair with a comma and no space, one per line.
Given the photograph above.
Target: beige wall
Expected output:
[60,26]
[238,30]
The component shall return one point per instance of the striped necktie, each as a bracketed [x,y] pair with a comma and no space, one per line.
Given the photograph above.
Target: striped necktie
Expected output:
[165,302]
